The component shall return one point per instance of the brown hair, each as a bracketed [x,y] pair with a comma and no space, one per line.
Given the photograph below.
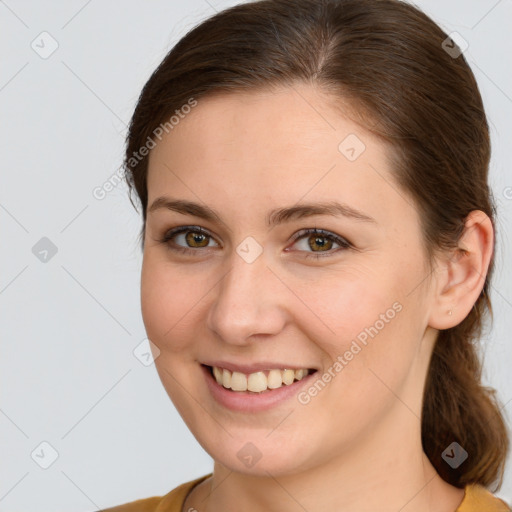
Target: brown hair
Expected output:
[387,59]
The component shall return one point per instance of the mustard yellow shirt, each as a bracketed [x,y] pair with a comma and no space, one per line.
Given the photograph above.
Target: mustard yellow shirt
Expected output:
[476,499]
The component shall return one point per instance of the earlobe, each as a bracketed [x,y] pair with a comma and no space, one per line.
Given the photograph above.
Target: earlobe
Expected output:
[463,272]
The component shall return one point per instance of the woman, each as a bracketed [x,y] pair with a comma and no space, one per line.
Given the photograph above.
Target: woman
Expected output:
[318,238]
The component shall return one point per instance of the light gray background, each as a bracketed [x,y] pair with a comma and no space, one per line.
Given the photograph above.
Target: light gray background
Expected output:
[69,326]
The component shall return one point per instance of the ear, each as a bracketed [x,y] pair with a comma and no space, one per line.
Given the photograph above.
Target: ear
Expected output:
[461,273]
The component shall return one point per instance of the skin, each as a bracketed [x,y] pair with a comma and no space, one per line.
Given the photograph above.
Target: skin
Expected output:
[355,446]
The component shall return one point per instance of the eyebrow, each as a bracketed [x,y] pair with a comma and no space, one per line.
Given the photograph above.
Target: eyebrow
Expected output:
[275,217]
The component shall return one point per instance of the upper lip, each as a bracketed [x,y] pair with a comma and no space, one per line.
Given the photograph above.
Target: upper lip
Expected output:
[254,367]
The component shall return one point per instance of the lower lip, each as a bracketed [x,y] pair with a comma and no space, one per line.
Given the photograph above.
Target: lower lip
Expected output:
[247,401]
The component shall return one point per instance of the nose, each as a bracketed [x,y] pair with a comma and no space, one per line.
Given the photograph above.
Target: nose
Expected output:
[247,302]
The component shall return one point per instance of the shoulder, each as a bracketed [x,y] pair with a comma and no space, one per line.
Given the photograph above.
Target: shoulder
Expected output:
[478,499]
[171,502]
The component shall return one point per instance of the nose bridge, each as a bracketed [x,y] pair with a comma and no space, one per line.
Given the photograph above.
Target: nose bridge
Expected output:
[246,302]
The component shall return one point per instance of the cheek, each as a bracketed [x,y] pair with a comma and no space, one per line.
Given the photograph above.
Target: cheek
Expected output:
[170,301]
[365,322]
[342,304]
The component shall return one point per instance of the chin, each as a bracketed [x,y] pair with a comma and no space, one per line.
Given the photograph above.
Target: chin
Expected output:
[256,458]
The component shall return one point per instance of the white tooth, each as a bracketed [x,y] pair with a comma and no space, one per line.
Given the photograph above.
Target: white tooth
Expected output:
[288,376]
[257,382]
[299,374]
[238,382]
[217,373]
[226,378]
[274,379]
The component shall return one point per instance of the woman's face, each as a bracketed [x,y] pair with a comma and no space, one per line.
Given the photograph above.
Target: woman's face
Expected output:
[246,291]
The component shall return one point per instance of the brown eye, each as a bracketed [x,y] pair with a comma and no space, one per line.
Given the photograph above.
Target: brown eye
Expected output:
[187,239]
[320,242]
[193,237]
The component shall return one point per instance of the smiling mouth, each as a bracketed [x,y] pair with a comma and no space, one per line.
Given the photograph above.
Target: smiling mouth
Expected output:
[258,382]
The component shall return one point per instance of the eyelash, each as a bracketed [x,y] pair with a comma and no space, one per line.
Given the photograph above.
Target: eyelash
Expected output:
[344,244]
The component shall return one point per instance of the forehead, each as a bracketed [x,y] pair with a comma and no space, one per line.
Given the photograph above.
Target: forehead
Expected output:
[271,146]
[270,127]
[265,120]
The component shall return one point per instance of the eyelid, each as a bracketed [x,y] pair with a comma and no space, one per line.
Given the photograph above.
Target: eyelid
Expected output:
[323,232]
